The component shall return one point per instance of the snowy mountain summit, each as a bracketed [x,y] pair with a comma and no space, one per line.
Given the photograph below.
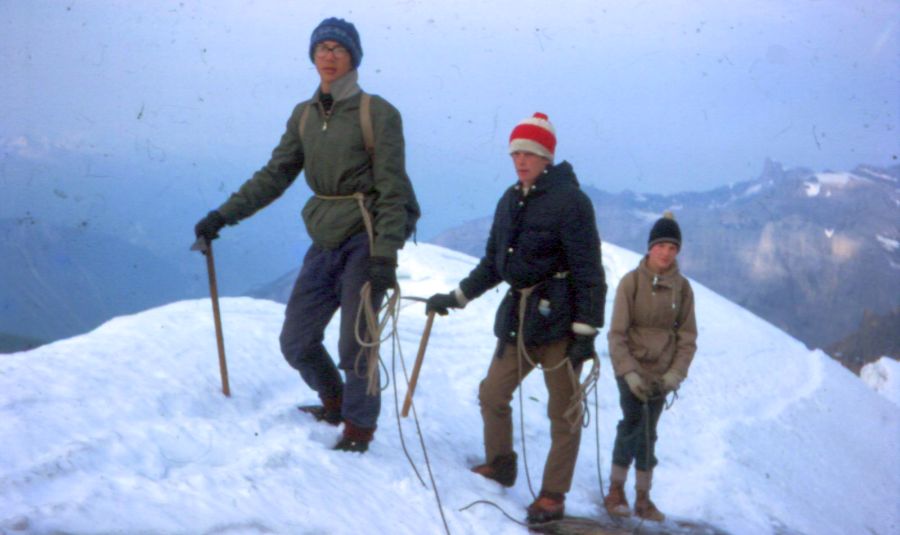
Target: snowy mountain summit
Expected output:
[124,430]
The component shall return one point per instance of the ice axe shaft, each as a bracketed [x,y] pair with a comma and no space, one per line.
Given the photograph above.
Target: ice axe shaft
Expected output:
[206,248]
[423,344]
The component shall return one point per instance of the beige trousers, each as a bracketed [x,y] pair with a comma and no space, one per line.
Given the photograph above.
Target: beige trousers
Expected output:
[496,393]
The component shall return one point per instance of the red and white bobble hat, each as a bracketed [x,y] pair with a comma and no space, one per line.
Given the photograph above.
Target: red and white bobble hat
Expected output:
[535,135]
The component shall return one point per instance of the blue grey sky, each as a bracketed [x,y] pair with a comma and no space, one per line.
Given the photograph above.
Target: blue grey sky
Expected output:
[652,96]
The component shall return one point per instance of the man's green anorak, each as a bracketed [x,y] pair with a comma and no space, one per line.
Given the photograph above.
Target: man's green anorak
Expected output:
[333,155]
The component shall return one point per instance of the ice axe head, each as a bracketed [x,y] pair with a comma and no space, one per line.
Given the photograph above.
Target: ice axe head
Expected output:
[200,245]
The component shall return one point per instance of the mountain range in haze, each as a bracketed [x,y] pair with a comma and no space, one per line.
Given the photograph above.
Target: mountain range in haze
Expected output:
[810,252]
[61,281]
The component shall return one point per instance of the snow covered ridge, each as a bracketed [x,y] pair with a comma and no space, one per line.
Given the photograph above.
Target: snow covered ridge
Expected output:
[124,429]
[837,179]
[883,376]
[832,181]
[889,244]
[874,173]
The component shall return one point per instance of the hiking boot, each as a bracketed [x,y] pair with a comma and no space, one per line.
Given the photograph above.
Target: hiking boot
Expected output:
[615,501]
[329,412]
[355,446]
[502,469]
[355,439]
[547,507]
[646,509]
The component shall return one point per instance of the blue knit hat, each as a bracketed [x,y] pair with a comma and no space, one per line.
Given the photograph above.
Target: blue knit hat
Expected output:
[341,31]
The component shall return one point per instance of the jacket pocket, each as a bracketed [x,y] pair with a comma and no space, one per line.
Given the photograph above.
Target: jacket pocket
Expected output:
[548,315]
[330,222]
[650,345]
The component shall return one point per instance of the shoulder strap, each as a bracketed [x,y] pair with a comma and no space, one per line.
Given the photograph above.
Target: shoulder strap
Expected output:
[303,116]
[365,122]
[684,284]
[634,282]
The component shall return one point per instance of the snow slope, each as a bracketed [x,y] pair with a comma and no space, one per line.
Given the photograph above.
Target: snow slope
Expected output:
[124,430]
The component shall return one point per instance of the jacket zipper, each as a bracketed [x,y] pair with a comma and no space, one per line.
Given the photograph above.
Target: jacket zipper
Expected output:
[326,114]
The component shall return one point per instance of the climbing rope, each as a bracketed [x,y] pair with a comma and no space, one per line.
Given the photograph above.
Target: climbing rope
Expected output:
[371,341]
[390,314]
[574,413]
[576,410]
[398,351]
[369,348]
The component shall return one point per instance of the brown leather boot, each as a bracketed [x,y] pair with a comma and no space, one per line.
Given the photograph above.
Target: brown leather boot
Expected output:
[355,439]
[615,501]
[547,507]
[329,411]
[501,469]
[646,509]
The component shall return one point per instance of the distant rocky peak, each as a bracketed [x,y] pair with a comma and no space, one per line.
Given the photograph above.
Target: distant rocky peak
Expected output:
[772,170]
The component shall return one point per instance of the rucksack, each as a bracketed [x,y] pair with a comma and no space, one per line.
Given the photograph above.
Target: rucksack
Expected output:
[413,212]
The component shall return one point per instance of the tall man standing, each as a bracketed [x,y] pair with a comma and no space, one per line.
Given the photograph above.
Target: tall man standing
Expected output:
[355,186]
[544,244]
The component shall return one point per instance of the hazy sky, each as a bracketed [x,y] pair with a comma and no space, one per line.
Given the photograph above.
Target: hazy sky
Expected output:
[645,95]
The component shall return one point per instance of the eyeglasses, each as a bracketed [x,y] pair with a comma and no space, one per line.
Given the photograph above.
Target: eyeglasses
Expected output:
[339,52]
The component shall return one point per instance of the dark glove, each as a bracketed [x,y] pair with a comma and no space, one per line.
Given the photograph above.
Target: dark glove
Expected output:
[382,273]
[209,226]
[440,303]
[581,348]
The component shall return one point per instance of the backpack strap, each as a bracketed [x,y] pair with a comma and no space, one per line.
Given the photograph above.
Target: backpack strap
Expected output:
[676,325]
[634,282]
[365,122]
[303,117]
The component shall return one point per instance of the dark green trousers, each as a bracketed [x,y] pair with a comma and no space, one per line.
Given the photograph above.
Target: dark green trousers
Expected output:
[634,440]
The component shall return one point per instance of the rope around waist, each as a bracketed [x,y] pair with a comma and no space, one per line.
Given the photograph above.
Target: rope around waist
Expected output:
[361,202]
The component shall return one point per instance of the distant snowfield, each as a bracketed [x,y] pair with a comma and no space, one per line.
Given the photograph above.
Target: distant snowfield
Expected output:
[124,430]
[839,180]
[834,181]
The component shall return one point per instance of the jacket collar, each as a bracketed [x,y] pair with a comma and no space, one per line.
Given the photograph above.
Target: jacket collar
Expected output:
[343,88]
[553,176]
[668,278]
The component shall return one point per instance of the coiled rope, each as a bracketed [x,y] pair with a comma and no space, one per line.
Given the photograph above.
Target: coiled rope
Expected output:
[370,344]
[577,409]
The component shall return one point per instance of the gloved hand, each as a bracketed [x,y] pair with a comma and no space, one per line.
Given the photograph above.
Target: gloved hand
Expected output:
[209,226]
[671,380]
[382,273]
[440,303]
[638,386]
[581,348]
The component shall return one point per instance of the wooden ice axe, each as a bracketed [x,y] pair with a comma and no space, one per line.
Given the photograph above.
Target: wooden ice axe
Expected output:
[423,344]
[205,247]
